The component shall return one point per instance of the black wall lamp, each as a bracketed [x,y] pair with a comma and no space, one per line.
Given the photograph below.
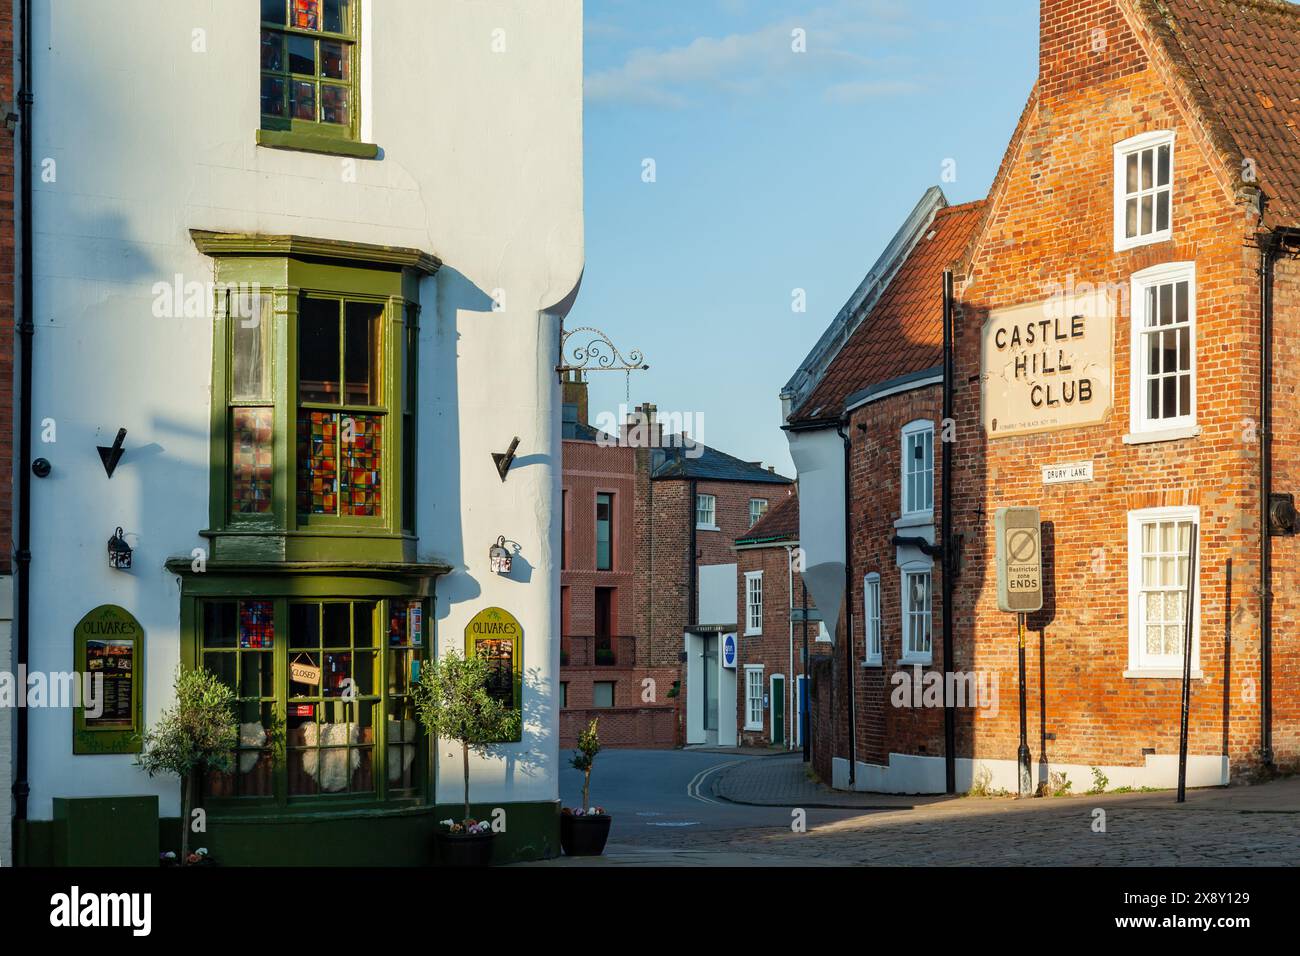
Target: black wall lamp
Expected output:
[119,552]
[499,557]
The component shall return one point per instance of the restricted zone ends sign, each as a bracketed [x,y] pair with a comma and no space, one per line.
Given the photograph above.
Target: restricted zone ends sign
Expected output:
[1020,560]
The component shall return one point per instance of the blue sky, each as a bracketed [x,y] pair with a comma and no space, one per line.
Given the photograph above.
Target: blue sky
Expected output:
[774,171]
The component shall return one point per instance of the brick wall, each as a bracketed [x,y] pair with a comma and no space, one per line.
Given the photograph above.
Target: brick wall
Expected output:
[772,648]
[1050,223]
[640,688]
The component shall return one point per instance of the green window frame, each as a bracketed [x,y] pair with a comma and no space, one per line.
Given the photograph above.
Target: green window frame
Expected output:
[315,399]
[351,738]
[310,67]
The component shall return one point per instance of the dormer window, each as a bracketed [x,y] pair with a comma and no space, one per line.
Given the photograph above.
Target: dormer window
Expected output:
[1144,190]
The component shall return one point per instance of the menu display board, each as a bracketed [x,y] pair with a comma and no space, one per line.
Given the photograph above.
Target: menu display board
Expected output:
[108,644]
[495,635]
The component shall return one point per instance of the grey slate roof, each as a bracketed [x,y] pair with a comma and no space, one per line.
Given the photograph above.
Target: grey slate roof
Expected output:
[710,464]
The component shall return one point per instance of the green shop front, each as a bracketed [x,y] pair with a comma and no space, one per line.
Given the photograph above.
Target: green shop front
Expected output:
[308,599]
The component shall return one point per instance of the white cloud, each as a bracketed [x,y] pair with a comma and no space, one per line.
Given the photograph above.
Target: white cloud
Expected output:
[749,64]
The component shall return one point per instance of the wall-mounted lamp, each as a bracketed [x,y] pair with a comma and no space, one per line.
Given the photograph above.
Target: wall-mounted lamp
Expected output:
[499,556]
[119,552]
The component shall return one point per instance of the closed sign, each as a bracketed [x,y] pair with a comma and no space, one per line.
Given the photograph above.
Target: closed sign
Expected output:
[1019,560]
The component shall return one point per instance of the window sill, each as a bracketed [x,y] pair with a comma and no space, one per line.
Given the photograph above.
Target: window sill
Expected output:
[920,519]
[754,727]
[752,634]
[914,661]
[873,662]
[306,143]
[1125,244]
[1161,673]
[707,527]
[1163,434]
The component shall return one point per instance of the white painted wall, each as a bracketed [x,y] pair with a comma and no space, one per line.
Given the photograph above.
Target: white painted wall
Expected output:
[819,458]
[717,594]
[7,723]
[909,773]
[481,165]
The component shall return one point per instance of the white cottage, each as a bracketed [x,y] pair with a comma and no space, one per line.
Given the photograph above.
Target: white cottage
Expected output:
[313,257]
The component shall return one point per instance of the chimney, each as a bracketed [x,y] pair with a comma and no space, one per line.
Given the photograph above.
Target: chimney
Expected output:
[642,428]
[574,392]
[1082,43]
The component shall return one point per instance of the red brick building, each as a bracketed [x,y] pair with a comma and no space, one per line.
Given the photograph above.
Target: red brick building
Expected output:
[1124,299]
[648,567]
[778,626]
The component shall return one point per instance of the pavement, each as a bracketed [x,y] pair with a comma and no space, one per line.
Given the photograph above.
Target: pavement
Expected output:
[705,808]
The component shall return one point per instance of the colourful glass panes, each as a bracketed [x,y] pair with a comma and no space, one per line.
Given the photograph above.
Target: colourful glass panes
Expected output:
[318,463]
[251,468]
[256,624]
[360,477]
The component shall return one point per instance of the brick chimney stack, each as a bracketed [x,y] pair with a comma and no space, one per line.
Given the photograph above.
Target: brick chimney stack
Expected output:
[574,392]
[643,428]
[1083,43]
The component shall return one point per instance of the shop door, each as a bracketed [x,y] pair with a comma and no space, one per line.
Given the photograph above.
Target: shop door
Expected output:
[709,660]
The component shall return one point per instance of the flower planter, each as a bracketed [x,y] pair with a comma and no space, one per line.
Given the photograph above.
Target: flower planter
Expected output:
[464,849]
[584,836]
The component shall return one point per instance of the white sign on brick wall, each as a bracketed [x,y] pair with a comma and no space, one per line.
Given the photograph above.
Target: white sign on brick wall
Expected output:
[1067,474]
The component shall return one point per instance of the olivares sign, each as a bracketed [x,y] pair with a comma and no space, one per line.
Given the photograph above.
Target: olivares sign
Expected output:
[1047,365]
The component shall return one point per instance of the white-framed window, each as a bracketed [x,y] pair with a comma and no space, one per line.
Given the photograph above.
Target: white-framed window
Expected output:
[757,508]
[1159,546]
[753,602]
[917,621]
[1162,367]
[871,618]
[918,468]
[706,511]
[1144,189]
[753,697]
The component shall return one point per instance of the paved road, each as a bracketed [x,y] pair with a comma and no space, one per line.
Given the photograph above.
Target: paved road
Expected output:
[666,813]
[665,798]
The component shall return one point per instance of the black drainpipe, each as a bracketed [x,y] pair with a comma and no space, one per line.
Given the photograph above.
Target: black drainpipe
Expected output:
[693,609]
[26,329]
[1268,254]
[945,539]
[847,636]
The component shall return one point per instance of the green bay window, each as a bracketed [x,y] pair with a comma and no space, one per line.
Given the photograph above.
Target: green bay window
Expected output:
[323,690]
[315,388]
[310,69]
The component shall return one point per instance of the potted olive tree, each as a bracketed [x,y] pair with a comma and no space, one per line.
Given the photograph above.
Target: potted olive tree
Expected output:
[584,830]
[453,703]
[196,736]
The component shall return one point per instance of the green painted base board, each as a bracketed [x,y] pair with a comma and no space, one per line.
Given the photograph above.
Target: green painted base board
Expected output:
[402,838]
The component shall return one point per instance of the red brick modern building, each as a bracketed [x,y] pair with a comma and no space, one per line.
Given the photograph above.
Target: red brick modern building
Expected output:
[1121,315]
[779,629]
[648,574]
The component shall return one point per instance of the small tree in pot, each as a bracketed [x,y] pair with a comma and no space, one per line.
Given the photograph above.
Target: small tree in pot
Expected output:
[583,832]
[196,736]
[453,703]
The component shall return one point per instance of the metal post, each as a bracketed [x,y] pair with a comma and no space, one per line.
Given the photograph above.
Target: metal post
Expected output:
[805,721]
[1187,666]
[1026,779]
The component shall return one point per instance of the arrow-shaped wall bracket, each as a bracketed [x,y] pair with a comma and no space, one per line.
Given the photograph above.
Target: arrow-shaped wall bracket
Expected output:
[112,455]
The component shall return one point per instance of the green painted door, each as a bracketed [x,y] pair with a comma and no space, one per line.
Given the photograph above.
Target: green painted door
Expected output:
[778,710]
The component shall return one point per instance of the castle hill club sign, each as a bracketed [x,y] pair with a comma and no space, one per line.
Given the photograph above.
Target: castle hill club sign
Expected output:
[1047,366]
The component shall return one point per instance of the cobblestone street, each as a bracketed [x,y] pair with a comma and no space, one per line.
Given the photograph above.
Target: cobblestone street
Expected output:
[1241,826]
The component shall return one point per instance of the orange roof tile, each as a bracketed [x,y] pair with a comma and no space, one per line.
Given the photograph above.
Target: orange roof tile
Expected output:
[904,332]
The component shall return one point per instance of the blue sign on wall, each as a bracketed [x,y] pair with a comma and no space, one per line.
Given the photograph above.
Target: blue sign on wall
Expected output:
[729,651]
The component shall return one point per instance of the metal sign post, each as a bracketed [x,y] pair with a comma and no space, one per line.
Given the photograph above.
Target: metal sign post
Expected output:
[1020,591]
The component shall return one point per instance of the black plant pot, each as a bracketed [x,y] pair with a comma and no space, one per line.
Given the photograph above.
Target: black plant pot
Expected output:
[465,849]
[584,836]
